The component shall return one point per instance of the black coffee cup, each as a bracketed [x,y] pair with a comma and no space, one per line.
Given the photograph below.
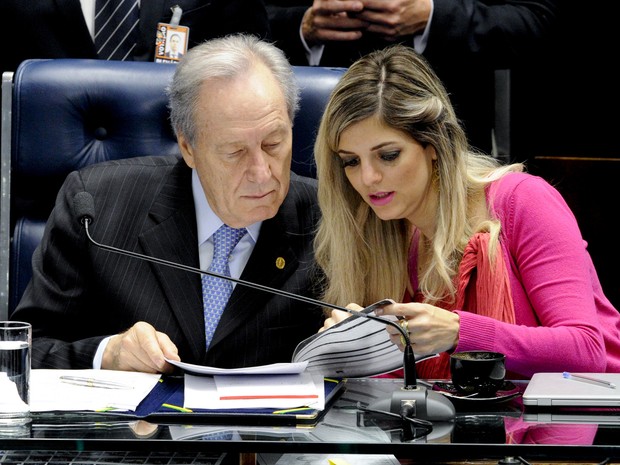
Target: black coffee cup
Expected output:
[478,372]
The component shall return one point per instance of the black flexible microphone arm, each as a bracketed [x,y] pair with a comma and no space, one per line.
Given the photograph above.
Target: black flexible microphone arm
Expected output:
[410,375]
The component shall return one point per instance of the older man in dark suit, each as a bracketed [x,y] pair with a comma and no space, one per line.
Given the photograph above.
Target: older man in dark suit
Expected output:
[232,103]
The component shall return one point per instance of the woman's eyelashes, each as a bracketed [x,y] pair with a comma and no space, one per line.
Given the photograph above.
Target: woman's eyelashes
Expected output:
[387,156]
[390,156]
[349,161]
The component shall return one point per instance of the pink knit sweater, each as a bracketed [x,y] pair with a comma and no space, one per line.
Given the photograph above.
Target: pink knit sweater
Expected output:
[563,321]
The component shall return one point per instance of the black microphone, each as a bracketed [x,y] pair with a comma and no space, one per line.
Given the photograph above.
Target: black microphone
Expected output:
[415,397]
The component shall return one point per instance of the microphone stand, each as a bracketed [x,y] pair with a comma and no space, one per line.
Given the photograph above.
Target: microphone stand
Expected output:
[416,401]
[410,401]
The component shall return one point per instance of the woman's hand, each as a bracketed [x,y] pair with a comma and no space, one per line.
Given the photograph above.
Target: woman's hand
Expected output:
[431,329]
[338,315]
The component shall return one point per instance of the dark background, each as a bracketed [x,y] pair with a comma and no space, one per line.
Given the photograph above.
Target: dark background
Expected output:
[565,127]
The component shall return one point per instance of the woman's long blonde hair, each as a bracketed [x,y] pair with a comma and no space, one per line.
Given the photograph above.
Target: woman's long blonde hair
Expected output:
[365,258]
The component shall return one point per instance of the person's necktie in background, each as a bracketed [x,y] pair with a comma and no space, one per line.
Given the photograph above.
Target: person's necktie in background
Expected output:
[116,28]
[216,291]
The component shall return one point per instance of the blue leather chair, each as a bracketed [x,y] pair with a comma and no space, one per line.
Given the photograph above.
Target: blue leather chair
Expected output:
[60,115]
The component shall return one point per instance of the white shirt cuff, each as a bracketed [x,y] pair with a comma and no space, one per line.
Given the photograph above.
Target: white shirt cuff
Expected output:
[313,54]
[98,360]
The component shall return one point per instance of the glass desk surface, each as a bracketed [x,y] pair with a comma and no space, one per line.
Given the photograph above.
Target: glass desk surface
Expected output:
[481,430]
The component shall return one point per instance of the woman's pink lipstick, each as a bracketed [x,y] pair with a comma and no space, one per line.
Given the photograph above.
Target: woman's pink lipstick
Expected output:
[381,198]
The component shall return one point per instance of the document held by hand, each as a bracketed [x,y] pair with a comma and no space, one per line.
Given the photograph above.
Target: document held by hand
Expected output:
[356,347]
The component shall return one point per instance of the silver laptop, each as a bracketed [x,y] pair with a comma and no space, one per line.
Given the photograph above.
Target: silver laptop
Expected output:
[574,390]
[552,417]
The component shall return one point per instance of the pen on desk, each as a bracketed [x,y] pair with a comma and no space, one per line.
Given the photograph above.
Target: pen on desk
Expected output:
[94,383]
[588,379]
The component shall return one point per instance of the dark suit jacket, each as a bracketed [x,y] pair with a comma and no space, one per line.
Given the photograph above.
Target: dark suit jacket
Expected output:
[57,29]
[80,293]
[468,40]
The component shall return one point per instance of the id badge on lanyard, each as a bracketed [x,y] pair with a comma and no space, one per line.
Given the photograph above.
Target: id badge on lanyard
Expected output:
[171,39]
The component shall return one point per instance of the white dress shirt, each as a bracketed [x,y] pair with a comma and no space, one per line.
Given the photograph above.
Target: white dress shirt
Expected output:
[208,222]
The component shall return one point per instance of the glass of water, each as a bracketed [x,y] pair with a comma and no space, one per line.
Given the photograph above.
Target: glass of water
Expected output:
[15,342]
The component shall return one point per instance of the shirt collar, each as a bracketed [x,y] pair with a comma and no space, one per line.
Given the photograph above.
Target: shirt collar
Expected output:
[206,220]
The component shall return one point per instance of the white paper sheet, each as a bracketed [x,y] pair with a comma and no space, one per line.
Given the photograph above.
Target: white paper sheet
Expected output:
[10,401]
[273,369]
[254,391]
[49,393]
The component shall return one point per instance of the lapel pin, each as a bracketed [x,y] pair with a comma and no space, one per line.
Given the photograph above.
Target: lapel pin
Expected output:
[280,262]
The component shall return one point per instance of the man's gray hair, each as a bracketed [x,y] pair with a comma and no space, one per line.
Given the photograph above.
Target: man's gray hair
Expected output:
[225,57]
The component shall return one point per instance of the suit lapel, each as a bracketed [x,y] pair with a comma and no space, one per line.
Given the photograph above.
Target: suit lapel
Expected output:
[71,12]
[150,13]
[171,235]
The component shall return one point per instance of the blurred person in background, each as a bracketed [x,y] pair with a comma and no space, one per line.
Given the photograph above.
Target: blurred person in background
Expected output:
[465,41]
[53,29]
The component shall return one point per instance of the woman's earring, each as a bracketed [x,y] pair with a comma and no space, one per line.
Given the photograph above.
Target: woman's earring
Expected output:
[435,174]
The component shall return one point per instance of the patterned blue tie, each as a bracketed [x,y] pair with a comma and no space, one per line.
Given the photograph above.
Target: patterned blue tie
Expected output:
[216,291]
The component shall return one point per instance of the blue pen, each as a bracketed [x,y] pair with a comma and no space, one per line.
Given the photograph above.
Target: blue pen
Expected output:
[587,379]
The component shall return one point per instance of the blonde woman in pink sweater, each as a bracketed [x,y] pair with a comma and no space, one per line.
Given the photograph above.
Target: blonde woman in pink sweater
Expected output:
[477,255]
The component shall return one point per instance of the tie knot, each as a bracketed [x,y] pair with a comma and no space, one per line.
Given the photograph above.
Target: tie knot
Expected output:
[225,239]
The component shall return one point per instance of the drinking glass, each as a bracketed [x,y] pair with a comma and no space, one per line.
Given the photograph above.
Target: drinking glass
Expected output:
[15,343]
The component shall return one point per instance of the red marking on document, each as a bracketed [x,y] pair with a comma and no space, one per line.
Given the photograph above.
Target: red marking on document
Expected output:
[292,396]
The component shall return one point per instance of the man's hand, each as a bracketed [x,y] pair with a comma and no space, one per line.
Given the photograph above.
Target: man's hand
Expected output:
[393,19]
[140,348]
[332,20]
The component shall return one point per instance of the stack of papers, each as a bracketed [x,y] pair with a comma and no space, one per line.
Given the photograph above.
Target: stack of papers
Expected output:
[275,386]
[254,391]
